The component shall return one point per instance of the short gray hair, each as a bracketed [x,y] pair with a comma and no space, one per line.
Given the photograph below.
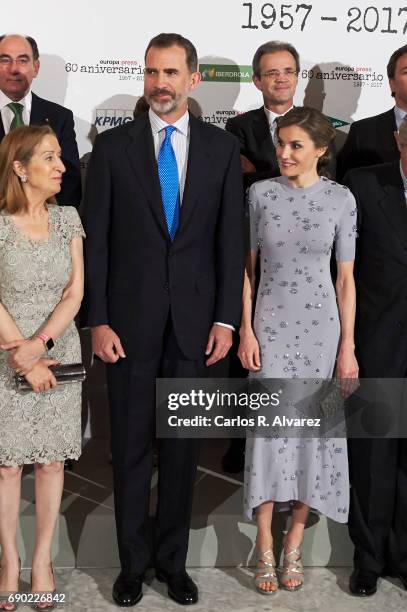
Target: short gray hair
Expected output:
[272,47]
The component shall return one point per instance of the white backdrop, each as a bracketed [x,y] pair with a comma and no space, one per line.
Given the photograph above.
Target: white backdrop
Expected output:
[92,53]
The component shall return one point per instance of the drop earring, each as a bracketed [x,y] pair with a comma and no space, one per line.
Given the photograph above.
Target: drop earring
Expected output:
[23,178]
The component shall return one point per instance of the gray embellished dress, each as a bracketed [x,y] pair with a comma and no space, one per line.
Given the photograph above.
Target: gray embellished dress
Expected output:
[297,325]
[38,427]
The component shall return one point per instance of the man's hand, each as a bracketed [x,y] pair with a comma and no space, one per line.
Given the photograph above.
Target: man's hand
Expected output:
[219,343]
[246,164]
[106,344]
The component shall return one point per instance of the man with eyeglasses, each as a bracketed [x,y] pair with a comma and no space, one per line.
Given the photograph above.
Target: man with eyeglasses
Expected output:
[19,65]
[275,73]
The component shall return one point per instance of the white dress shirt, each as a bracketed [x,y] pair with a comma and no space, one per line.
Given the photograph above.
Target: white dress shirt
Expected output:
[271,118]
[7,114]
[180,143]
[399,116]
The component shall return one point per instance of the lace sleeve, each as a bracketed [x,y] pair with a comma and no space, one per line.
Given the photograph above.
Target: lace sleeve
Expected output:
[70,222]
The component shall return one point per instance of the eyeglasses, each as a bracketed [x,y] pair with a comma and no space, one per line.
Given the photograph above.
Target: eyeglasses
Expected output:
[20,61]
[274,74]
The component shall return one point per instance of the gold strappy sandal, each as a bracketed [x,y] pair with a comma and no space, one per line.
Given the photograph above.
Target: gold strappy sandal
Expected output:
[266,572]
[292,568]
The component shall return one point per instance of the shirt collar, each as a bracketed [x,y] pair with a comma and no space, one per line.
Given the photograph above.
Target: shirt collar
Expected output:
[26,101]
[399,116]
[403,176]
[157,124]
[271,115]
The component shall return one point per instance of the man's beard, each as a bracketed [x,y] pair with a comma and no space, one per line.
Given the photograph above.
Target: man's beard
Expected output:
[163,108]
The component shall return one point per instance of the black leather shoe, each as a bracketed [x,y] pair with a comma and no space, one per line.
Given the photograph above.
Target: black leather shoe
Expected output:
[127,589]
[363,584]
[181,588]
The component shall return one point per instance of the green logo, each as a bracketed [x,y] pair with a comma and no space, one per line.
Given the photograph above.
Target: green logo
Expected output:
[226,73]
[337,123]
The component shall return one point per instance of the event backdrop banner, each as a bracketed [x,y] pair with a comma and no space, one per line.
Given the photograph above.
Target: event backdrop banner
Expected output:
[92,54]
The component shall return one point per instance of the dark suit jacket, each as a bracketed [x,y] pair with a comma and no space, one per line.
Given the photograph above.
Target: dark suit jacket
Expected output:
[60,119]
[370,141]
[381,270]
[253,131]
[134,275]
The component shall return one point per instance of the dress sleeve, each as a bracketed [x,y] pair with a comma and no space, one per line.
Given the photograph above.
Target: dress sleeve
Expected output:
[345,235]
[254,210]
[73,222]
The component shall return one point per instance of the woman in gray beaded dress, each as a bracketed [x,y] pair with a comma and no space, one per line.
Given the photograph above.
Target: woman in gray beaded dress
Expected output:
[41,287]
[297,332]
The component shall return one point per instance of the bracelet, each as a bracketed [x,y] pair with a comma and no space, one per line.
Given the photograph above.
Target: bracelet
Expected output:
[46,340]
[43,337]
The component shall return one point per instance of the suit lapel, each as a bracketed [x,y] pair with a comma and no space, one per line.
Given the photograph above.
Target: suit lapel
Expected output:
[261,131]
[394,205]
[37,114]
[142,159]
[385,132]
[198,161]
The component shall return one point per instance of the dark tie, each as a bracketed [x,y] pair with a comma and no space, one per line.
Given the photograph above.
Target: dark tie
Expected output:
[168,175]
[18,120]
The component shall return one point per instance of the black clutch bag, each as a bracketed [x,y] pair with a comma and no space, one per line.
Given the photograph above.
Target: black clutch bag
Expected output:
[65,374]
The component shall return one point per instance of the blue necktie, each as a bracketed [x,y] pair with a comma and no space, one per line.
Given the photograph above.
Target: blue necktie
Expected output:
[168,175]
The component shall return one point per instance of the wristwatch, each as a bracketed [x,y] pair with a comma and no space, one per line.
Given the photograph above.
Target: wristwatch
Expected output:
[47,340]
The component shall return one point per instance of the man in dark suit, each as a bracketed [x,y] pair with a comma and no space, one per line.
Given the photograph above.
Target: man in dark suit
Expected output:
[378,466]
[275,73]
[19,65]
[164,274]
[371,141]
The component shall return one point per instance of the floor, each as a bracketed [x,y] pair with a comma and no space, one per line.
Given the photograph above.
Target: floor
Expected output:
[228,590]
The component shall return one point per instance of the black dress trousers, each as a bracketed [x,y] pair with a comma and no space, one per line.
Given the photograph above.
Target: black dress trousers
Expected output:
[131,389]
[378,477]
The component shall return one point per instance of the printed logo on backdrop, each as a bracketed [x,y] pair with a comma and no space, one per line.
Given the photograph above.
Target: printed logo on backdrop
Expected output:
[359,76]
[107,118]
[122,69]
[337,123]
[219,117]
[225,73]
[337,18]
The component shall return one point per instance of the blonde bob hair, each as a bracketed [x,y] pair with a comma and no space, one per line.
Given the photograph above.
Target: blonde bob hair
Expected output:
[18,145]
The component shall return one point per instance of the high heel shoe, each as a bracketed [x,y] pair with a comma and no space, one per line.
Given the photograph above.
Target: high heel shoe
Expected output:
[45,605]
[292,568]
[266,573]
[13,604]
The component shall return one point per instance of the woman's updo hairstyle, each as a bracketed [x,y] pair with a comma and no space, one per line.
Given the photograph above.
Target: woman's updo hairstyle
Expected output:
[318,128]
